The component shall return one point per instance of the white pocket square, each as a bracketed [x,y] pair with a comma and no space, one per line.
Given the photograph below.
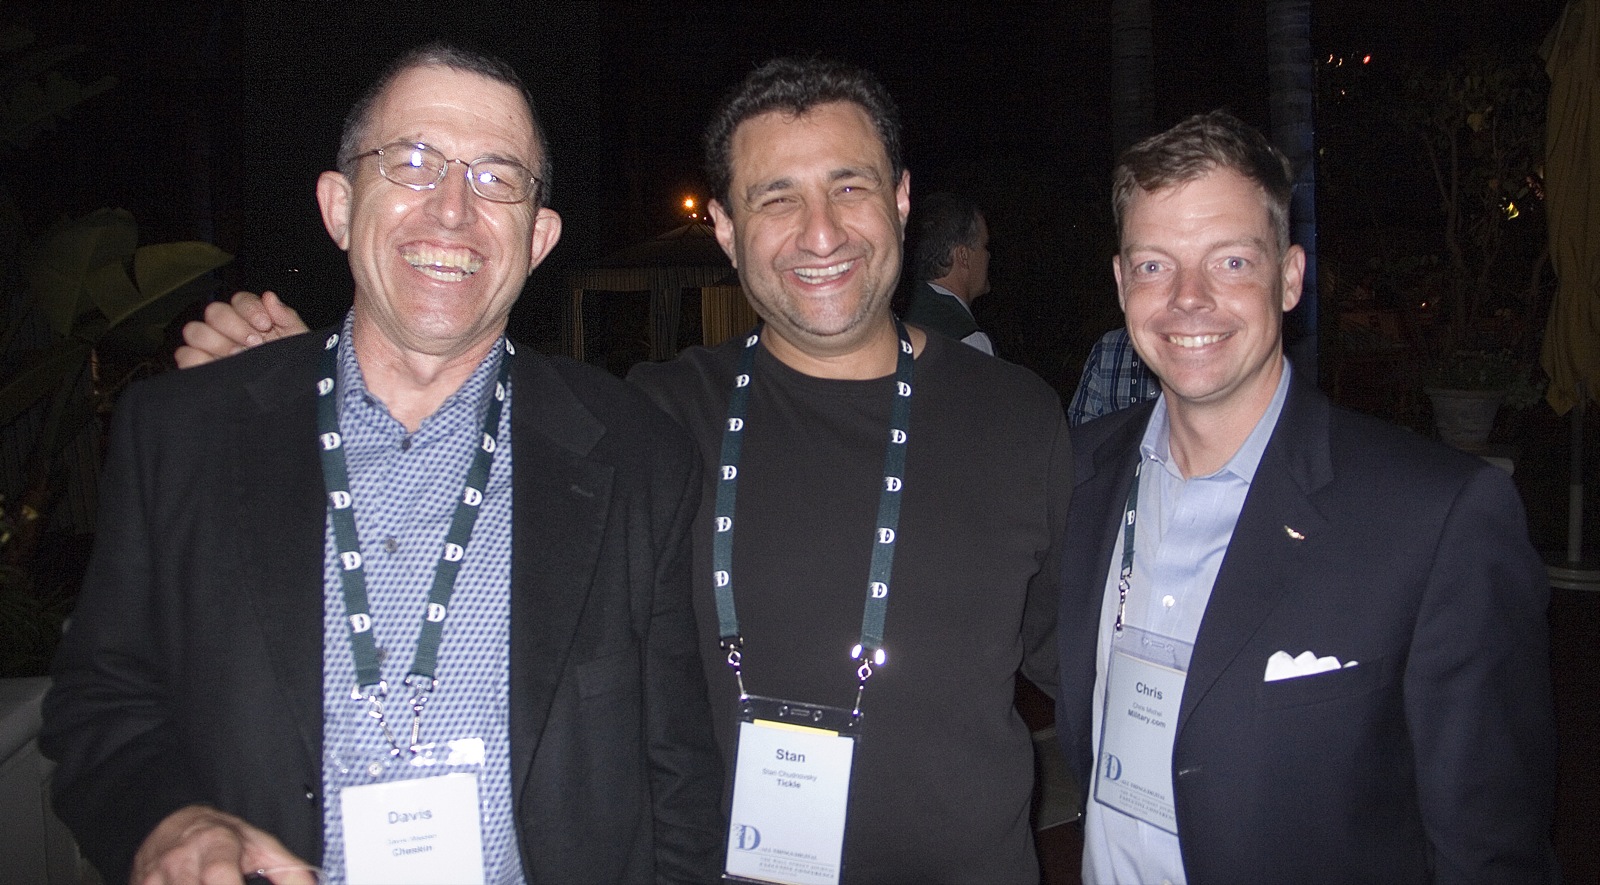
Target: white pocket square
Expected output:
[1282,666]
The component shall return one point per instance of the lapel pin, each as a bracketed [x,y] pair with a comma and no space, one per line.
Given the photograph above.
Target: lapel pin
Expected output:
[1293,534]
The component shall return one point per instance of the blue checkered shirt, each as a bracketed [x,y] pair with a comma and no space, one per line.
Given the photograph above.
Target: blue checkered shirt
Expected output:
[405,487]
[1113,379]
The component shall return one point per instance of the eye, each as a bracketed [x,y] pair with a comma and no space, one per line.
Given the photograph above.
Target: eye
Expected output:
[1148,267]
[1235,263]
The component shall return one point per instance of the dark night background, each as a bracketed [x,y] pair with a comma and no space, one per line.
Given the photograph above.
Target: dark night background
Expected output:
[226,111]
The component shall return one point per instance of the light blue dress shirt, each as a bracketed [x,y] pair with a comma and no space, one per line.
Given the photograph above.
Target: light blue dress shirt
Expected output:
[1184,526]
[405,487]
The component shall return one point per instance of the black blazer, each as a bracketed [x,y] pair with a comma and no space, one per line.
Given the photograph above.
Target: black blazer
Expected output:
[938,312]
[1433,758]
[192,672]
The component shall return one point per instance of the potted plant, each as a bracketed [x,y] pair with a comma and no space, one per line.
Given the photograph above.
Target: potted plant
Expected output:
[1479,122]
[1467,389]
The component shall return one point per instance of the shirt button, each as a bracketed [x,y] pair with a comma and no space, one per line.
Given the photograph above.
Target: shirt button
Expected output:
[405,444]
[390,545]
[1167,601]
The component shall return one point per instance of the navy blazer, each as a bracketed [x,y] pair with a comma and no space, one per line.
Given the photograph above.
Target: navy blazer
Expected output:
[192,672]
[1432,759]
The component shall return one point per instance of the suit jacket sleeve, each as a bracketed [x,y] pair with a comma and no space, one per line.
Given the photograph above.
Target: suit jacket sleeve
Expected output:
[1041,661]
[685,771]
[108,721]
[1477,694]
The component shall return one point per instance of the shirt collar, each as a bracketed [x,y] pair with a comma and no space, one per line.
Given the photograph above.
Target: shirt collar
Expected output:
[1156,445]
[943,291]
[355,399]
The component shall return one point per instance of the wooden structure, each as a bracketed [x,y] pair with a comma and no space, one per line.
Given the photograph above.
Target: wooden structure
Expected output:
[665,266]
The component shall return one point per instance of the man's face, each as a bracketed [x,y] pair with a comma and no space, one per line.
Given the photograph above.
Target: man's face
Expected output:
[436,271]
[814,225]
[1204,289]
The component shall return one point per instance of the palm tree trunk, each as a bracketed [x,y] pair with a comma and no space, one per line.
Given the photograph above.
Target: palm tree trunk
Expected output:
[1132,74]
[1290,76]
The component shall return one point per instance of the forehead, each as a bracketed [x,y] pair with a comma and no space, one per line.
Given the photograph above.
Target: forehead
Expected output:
[464,114]
[1221,201]
[825,139]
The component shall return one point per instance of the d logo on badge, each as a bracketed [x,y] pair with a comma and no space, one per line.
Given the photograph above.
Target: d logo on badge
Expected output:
[746,837]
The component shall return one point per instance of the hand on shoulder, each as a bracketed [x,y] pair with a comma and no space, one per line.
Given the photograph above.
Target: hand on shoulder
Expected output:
[230,327]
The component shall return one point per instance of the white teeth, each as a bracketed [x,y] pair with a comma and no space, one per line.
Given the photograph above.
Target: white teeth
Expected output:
[445,265]
[1194,340]
[823,274]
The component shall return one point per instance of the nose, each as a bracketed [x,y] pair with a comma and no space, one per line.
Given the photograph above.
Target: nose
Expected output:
[452,201]
[820,232]
[1191,291]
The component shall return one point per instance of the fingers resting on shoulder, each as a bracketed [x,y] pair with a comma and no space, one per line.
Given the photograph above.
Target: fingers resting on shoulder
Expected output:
[230,327]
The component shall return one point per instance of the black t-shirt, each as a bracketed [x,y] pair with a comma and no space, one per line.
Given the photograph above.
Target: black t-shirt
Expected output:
[944,771]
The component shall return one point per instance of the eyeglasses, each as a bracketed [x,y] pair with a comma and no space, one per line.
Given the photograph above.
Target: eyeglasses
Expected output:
[421,168]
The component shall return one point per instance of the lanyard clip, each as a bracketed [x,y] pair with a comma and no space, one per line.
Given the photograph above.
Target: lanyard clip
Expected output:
[864,672]
[421,688]
[734,646]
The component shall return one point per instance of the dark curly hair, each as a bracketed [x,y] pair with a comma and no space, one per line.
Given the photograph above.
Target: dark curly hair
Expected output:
[795,86]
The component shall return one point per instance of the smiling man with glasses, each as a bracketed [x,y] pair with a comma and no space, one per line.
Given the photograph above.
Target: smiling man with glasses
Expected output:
[398,598]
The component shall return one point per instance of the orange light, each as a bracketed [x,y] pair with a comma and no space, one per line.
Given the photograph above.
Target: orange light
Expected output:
[688,203]
[1366,59]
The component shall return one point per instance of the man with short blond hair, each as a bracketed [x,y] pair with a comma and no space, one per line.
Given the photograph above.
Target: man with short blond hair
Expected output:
[1297,644]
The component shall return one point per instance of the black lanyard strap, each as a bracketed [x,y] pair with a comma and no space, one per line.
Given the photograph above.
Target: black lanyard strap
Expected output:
[1130,515]
[352,573]
[870,649]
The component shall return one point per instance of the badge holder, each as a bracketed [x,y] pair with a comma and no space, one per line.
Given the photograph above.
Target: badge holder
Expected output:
[412,814]
[1144,686]
[791,789]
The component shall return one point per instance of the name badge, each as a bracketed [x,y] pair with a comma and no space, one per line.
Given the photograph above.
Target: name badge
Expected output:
[1144,685]
[791,790]
[424,831]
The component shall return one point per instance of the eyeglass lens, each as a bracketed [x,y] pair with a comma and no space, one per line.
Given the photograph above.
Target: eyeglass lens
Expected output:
[420,167]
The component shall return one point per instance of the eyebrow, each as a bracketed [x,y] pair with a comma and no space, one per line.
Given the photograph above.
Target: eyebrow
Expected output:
[755,191]
[1253,242]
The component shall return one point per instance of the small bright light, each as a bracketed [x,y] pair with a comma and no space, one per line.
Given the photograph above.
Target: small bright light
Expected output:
[1511,210]
[688,202]
[1366,59]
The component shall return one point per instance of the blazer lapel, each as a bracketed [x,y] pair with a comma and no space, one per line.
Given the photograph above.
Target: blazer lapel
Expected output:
[1104,470]
[281,515]
[1105,489]
[561,501]
[1278,523]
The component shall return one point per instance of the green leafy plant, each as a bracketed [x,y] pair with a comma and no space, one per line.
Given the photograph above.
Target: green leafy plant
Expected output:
[1498,370]
[1479,124]
[83,310]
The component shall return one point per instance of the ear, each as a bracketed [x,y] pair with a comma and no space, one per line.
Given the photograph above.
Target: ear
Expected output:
[546,233]
[1294,276]
[1116,271]
[334,195]
[722,223]
[902,196]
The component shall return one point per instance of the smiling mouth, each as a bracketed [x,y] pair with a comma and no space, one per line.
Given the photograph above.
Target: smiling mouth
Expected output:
[1194,340]
[827,274]
[445,265]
